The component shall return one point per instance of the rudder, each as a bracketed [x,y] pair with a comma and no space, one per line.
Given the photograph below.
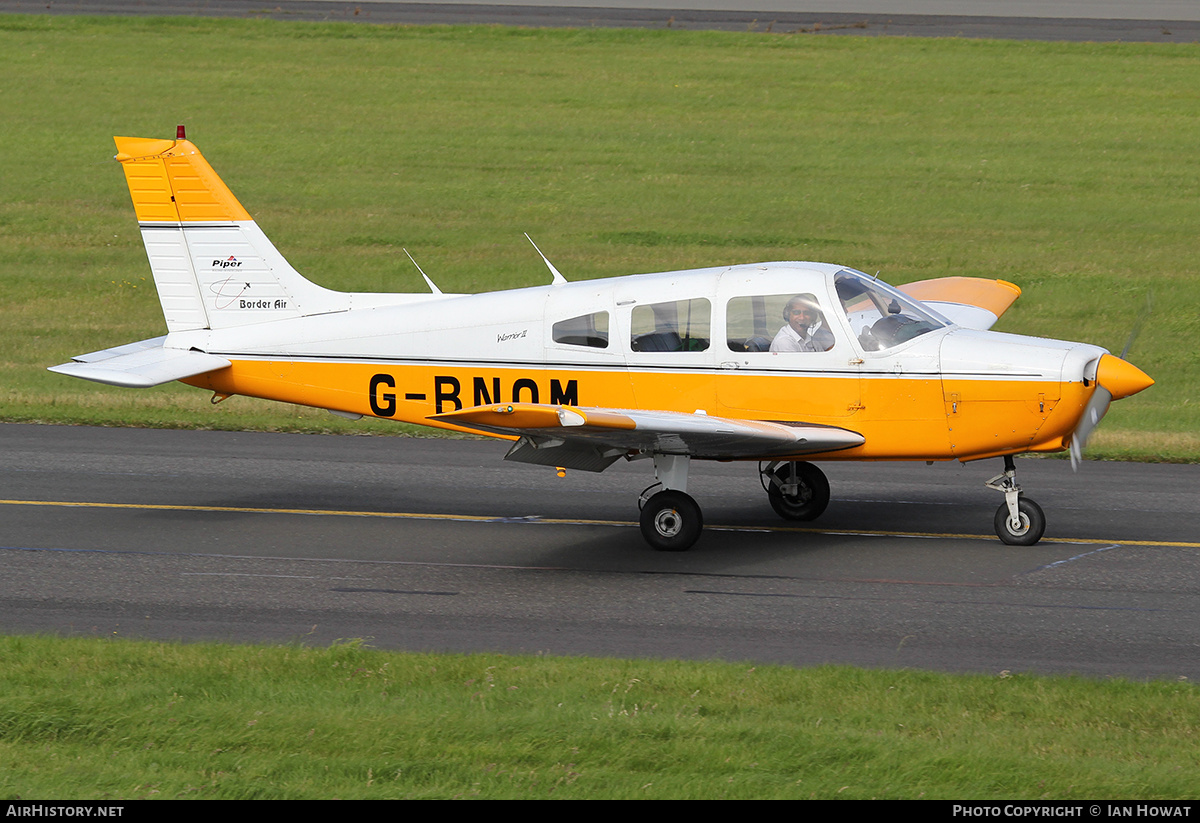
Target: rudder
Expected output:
[213,267]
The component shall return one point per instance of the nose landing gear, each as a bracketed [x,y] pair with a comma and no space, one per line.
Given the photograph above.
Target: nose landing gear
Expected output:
[1019,521]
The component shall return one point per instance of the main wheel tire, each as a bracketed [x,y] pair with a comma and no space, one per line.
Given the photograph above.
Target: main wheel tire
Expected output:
[671,521]
[811,497]
[1033,523]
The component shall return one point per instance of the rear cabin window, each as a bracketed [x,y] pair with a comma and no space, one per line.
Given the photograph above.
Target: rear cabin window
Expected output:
[589,330]
[678,325]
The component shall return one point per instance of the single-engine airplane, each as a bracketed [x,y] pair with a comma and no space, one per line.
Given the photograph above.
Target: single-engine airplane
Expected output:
[782,363]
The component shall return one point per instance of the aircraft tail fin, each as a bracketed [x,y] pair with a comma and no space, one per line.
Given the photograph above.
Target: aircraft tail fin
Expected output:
[213,267]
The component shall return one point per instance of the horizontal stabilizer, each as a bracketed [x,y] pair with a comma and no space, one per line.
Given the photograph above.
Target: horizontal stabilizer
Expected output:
[971,302]
[141,365]
[596,437]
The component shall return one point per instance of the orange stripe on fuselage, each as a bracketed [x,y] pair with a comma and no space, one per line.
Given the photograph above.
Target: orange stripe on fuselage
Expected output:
[902,418]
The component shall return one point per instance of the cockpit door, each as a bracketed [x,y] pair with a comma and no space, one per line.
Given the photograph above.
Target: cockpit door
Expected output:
[786,353]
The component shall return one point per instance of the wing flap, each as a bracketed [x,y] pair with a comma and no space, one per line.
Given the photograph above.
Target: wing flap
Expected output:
[971,302]
[140,365]
[592,438]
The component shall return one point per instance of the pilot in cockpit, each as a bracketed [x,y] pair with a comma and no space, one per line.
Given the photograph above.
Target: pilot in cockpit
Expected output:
[804,327]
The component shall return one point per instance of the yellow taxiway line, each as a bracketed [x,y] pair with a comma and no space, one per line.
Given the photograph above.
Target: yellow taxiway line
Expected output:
[473,518]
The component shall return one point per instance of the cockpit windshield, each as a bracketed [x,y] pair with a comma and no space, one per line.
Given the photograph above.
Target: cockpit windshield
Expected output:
[880,315]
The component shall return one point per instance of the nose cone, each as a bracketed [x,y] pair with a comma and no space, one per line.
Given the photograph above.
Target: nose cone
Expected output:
[1120,377]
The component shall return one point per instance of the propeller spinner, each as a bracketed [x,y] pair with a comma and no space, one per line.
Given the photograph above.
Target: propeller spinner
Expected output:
[1115,378]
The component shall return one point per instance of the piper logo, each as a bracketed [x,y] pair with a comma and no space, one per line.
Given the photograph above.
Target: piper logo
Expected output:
[229,263]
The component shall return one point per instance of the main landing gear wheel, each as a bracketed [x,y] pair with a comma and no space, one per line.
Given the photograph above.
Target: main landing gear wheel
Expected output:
[1030,529]
[671,521]
[797,491]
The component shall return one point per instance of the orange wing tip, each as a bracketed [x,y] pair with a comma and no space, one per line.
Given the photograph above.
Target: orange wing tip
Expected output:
[1120,377]
[1013,287]
[516,416]
[606,419]
[993,295]
[505,415]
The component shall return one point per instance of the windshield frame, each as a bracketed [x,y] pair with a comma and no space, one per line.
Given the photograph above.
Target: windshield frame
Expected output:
[898,318]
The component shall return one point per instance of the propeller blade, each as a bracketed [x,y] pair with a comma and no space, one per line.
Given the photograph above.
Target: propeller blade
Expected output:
[1137,327]
[1093,413]
[1115,378]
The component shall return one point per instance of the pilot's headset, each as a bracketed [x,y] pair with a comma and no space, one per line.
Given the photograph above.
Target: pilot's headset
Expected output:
[801,300]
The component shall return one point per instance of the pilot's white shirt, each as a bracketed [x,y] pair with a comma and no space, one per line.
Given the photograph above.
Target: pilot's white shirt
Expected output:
[788,339]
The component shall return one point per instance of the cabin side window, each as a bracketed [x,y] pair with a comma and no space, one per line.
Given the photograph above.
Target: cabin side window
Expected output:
[678,325]
[791,322]
[589,330]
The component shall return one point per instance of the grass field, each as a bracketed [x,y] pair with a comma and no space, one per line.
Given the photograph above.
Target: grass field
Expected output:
[1069,169]
[118,720]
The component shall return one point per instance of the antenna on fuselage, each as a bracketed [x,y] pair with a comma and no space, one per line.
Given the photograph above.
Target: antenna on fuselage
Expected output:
[558,278]
[433,288]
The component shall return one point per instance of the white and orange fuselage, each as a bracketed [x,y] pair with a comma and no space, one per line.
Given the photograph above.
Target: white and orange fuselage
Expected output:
[950,393]
[902,379]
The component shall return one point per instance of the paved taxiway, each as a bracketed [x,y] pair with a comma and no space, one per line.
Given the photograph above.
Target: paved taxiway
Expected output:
[439,544]
[1155,21]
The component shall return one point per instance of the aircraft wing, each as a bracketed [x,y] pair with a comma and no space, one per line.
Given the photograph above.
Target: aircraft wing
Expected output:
[591,439]
[141,365]
[971,302]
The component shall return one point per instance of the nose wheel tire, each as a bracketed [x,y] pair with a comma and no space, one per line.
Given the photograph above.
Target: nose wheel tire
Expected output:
[806,499]
[671,521]
[1032,523]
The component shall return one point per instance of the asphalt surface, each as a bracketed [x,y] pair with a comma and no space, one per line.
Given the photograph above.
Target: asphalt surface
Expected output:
[1161,21]
[441,545]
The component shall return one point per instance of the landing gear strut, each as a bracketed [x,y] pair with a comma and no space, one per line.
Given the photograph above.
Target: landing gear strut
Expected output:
[1019,521]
